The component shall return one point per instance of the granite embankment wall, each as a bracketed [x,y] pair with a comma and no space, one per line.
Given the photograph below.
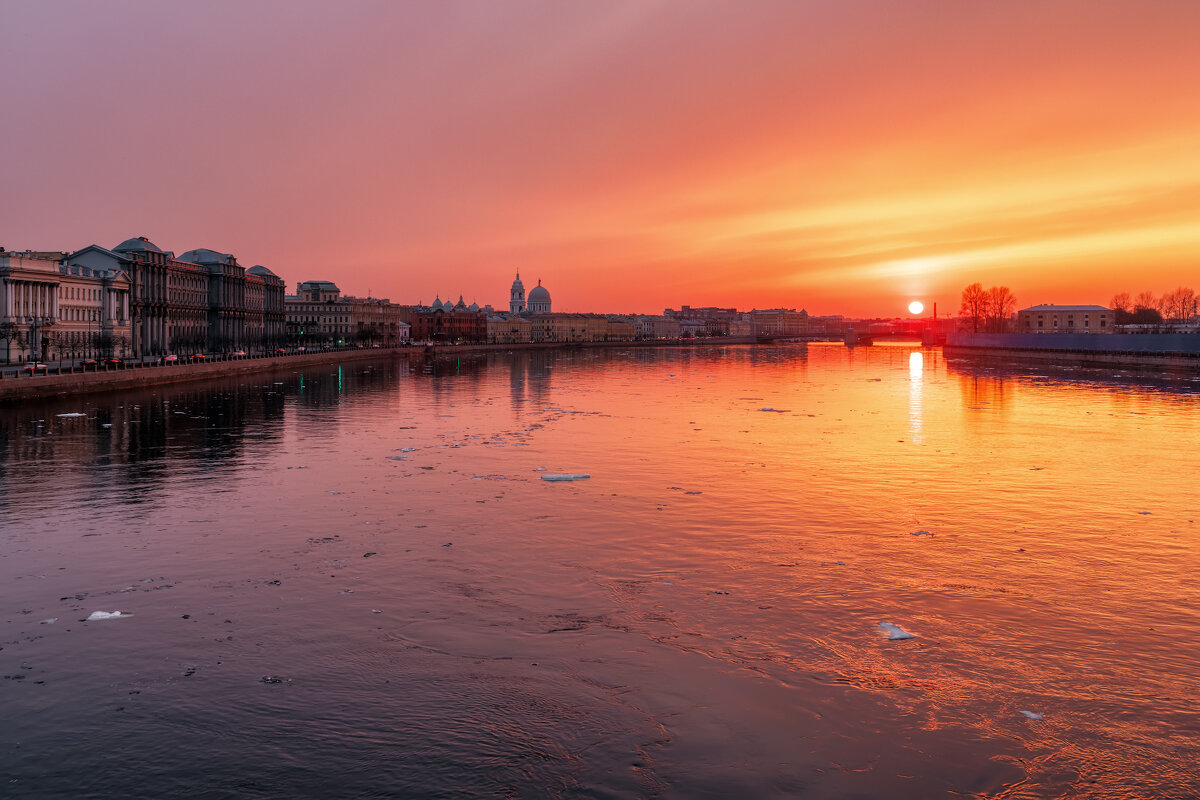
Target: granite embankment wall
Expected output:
[38,387]
[1173,350]
[43,386]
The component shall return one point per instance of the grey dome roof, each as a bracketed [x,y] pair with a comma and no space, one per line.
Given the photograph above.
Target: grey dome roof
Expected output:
[205,256]
[539,293]
[437,302]
[473,307]
[137,244]
[259,269]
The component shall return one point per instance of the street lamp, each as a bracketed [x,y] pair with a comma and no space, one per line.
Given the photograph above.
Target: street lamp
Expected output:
[36,323]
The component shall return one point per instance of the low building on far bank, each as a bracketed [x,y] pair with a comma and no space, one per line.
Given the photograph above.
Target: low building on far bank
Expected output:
[1050,318]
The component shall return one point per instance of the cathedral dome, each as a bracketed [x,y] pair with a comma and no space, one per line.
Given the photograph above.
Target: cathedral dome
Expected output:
[539,299]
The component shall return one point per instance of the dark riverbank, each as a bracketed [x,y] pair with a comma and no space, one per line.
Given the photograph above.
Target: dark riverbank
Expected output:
[39,387]
[1165,350]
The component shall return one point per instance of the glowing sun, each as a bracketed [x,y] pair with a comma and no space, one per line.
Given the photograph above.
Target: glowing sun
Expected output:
[916,307]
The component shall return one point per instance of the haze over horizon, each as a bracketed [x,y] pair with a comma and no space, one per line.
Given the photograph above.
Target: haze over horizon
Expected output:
[633,154]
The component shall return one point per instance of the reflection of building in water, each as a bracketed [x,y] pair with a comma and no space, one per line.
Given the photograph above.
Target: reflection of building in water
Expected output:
[985,391]
[916,380]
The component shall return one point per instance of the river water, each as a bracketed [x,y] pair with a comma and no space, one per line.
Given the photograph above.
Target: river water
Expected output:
[353,582]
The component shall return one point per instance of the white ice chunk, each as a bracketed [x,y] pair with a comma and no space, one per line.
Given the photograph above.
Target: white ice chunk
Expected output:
[1032,714]
[896,632]
[72,414]
[566,476]
[50,621]
[99,615]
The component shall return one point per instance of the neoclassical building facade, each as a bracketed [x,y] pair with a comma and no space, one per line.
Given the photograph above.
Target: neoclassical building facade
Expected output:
[49,309]
[201,301]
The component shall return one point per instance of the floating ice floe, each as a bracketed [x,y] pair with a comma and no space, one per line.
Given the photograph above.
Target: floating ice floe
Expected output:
[566,476]
[921,533]
[72,414]
[1032,714]
[896,632]
[49,621]
[776,410]
[95,616]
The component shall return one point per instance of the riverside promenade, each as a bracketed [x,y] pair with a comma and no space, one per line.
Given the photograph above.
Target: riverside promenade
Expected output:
[1151,350]
[67,381]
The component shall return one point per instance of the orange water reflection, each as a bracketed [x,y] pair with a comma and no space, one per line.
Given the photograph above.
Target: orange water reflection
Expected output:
[709,600]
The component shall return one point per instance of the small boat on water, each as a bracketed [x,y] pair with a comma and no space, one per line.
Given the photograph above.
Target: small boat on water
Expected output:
[855,339]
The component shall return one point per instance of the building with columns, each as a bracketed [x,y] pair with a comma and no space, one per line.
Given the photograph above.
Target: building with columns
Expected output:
[53,310]
[202,301]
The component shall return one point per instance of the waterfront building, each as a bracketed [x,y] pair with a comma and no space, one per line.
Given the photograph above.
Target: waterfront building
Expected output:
[621,329]
[741,327]
[449,322]
[1050,318]
[706,321]
[201,301]
[51,310]
[509,329]
[657,326]
[319,313]
[779,322]
[93,318]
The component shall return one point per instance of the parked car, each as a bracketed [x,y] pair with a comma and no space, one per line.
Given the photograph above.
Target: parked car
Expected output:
[198,356]
[34,366]
[113,363]
[238,353]
[89,363]
[171,359]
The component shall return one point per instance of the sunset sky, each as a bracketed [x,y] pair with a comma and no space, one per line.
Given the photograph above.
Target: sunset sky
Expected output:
[843,157]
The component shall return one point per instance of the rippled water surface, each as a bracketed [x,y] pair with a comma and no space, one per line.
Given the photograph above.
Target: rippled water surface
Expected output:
[352,581]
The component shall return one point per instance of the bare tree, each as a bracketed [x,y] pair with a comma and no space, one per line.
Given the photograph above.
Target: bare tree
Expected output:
[1145,300]
[974,305]
[1121,302]
[1178,304]
[1000,307]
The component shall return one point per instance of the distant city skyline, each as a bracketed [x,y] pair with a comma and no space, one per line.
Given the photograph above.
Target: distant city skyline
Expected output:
[843,158]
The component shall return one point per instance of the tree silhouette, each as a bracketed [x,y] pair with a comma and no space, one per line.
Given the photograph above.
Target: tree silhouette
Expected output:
[974,305]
